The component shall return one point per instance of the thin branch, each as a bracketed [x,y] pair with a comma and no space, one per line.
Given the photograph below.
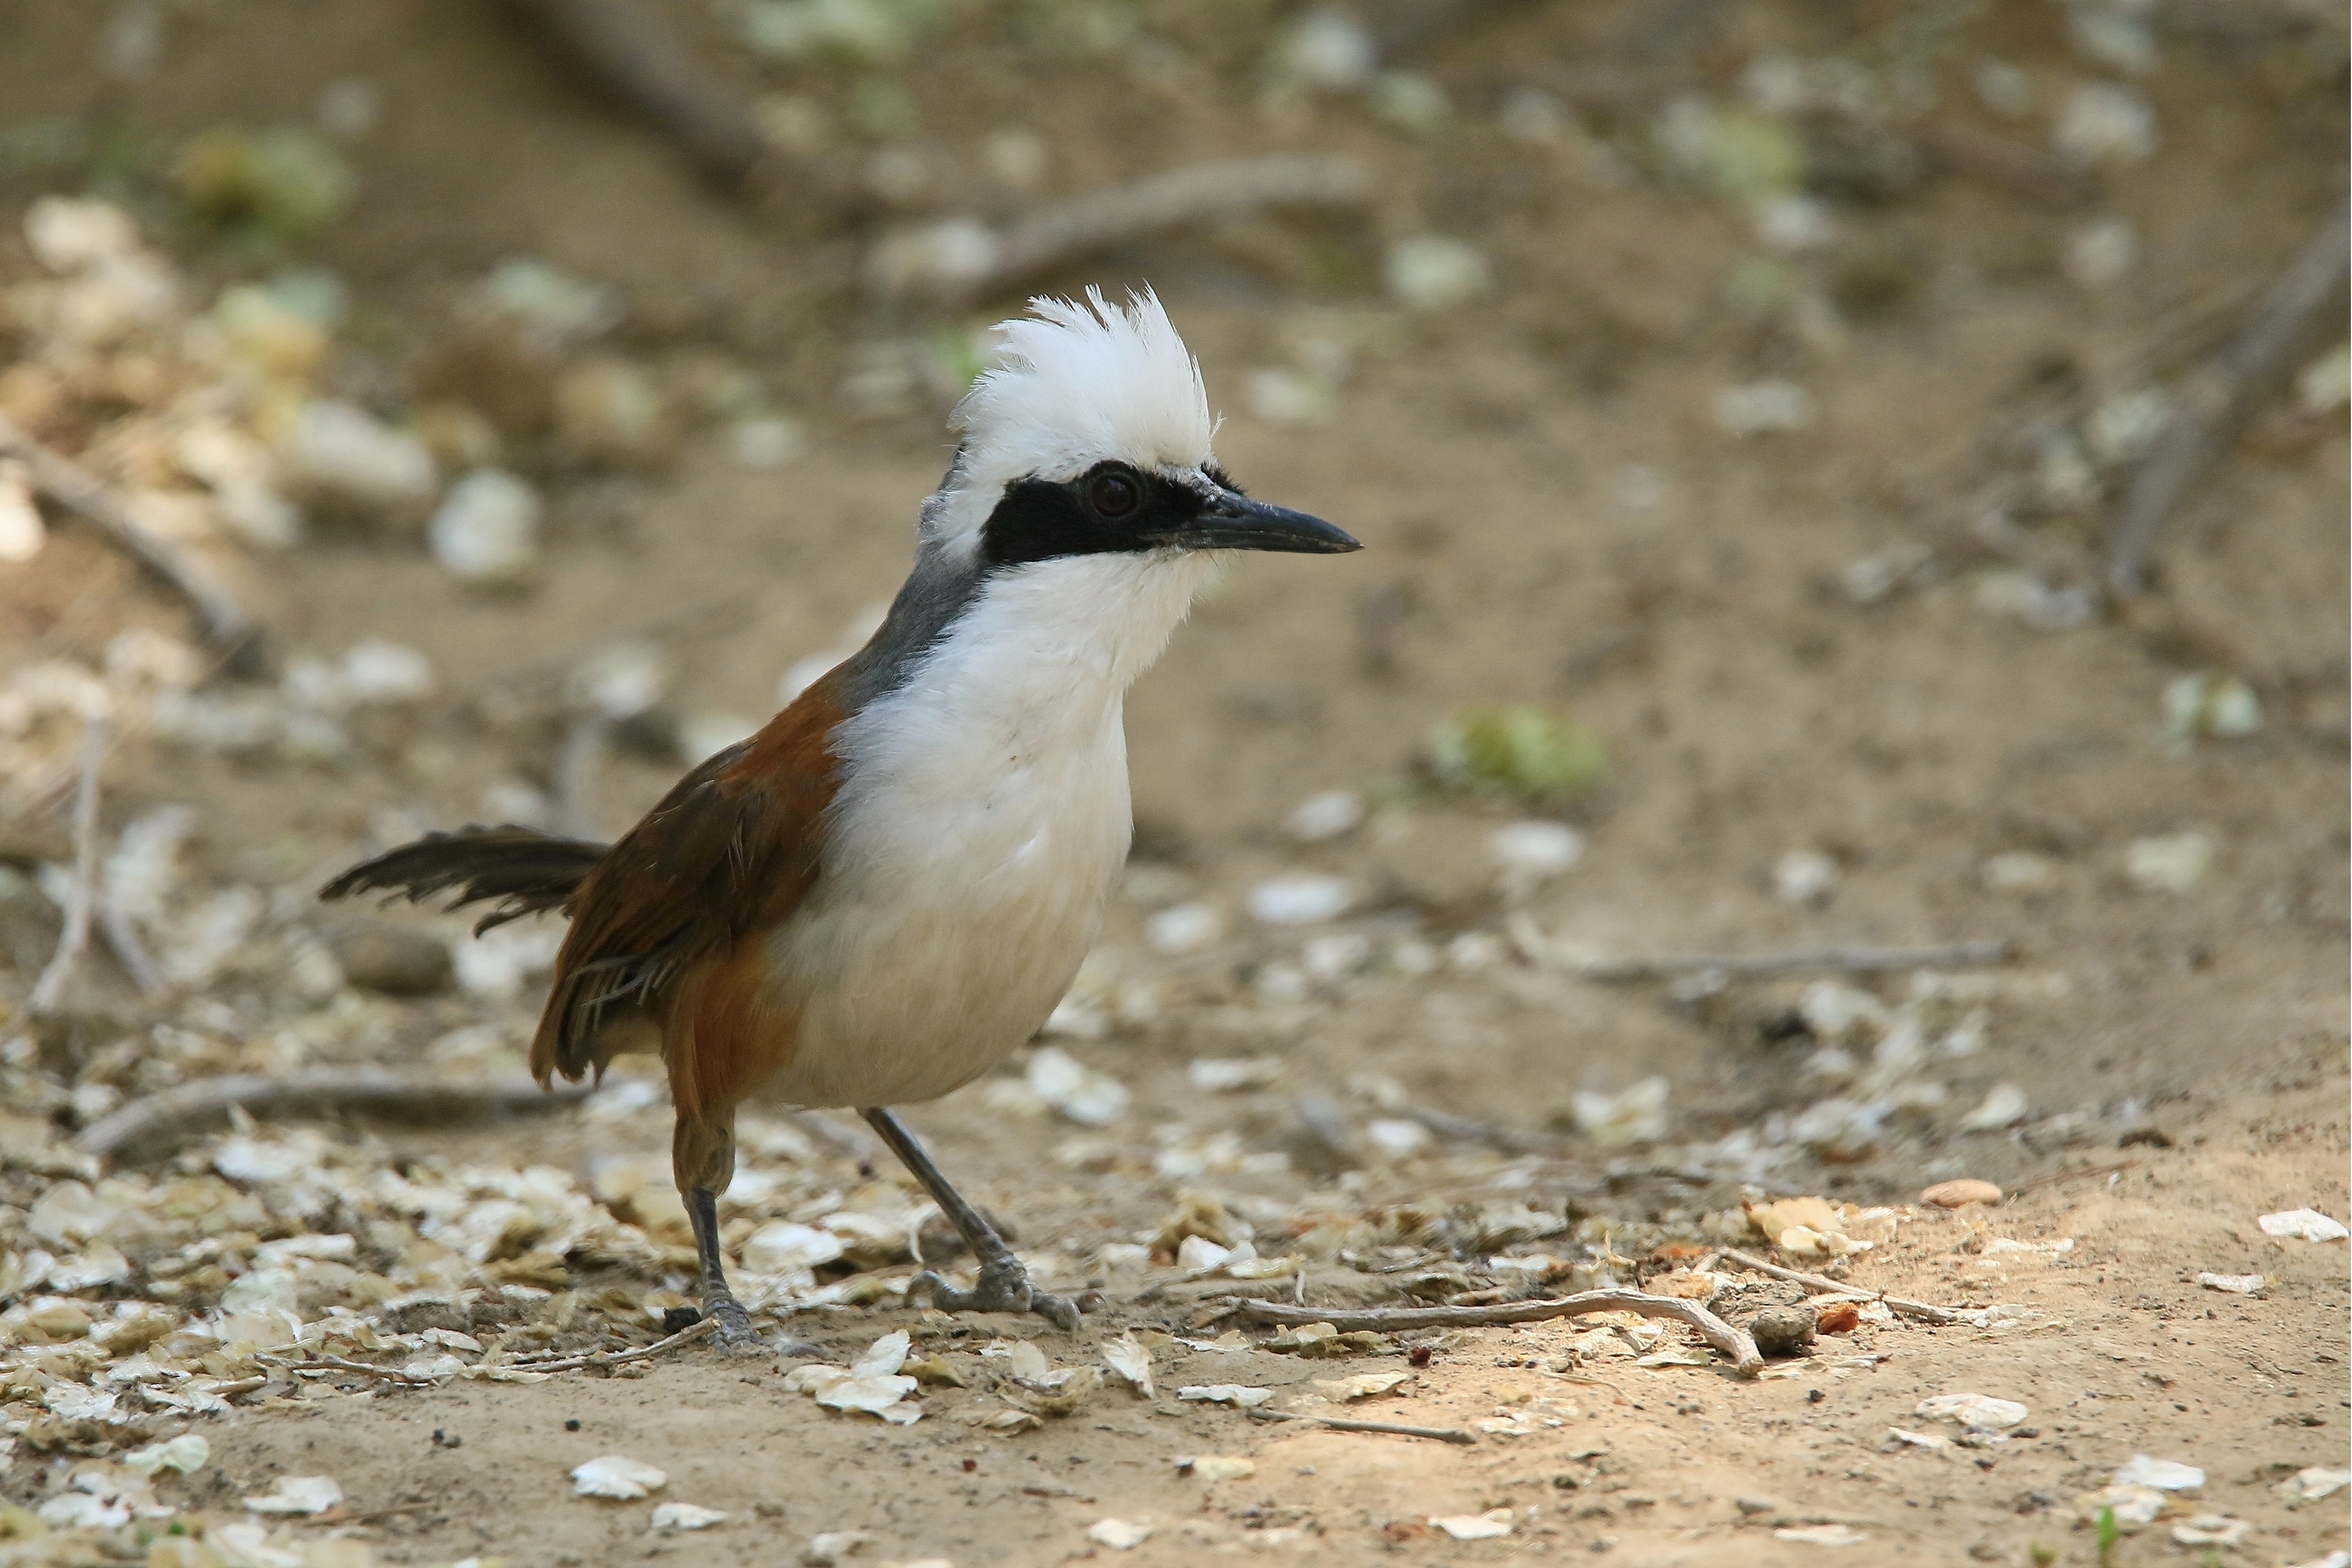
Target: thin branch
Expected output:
[1725,1340]
[66,483]
[630,54]
[1821,1284]
[174,1110]
[2217,395]
[122,937]
[962,258]
[2013,166]
[81,899]
[1543,952]
[1464,1130]
[1389,1429]
[685,1336]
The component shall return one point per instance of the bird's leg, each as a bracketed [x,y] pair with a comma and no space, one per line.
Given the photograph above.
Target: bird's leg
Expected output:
[1003,1284]
[718,1300]
[702,1157]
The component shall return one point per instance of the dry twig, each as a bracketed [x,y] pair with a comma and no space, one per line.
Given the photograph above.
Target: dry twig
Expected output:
[1821,1284]
[81,899]
[1540,949]
[2013,166]
[962,258]
[2217,395]
[122,938]
[1389,1428]
[66,483]
[1720,1336]
[685,1336]
[630,54]
[174,1110]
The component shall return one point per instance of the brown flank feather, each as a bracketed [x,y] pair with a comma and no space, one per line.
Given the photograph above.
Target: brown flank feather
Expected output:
[669,925]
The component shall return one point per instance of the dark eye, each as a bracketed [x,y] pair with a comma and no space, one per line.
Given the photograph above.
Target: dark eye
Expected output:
[1113,495]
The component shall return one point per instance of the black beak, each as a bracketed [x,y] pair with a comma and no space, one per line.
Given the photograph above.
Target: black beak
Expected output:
[1232,521]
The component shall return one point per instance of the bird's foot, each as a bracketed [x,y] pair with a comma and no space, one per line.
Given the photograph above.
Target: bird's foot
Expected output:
[1003,1286]
[737,1337]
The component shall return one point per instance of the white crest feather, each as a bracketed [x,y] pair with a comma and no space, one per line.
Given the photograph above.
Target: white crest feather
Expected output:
[1073,384]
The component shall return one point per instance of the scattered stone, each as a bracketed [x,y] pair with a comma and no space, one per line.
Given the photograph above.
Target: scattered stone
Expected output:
[2171,863]
[298,1495]
[1491,1525]
[1820,1534]
[617,1477]
[2163,1475]
[2133,1507]
[1118,1534]
[1960,1192]
[390,959]
[2234,1284]
[1782,1331]
[686,1516]
[1433,272]
[2302,1225]
[1977,1412]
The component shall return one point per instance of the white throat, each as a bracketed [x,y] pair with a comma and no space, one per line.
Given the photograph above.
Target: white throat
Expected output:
[983,816]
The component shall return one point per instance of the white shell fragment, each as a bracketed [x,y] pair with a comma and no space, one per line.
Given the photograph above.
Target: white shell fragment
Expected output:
[185,1453]
[1239,1395]
[2163,1475]
[1363,1386]
[2171,863]
[1977,1412]
[2132,1507]
[1491,1525]
[1532,852]
[686,1516]
[1219,1466]
[2003,1103]
[1433,272]
[1326,815]
[1213,1075]
[1131,1361]
[2302,1225]
[487,530]
[1300,899]
[1820,1534]
[298,1494]
[1183,928]
[1764,407]
[1078,1092]
[1118,1534]
[1804,877]
[2310,1485]
[617,1477]
[1636,1115]
[343,450]
[2213,1529]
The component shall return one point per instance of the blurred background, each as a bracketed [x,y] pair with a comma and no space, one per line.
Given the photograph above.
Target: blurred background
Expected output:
[1836,475]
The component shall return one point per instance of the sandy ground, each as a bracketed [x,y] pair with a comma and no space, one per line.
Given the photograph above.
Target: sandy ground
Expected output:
[1551,515]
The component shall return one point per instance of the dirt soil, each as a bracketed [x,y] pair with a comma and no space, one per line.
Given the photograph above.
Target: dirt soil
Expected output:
[1552,514]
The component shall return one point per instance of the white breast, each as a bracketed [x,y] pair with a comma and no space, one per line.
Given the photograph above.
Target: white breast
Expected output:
[983,815]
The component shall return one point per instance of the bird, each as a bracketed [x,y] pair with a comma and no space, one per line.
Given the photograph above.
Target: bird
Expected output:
[885,891]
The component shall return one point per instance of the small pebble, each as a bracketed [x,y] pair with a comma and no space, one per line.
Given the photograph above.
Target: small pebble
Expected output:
[1782,1331]
[1756,1505]
[390,960]
[1960,1193]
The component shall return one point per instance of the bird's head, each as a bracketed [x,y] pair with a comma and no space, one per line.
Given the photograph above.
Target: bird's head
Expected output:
[1090,436]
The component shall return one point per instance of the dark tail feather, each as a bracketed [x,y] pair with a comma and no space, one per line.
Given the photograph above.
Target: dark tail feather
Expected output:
[527,871]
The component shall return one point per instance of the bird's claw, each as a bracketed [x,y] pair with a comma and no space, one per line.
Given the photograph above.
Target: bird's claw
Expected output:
[736,1336]
[1003,1286]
